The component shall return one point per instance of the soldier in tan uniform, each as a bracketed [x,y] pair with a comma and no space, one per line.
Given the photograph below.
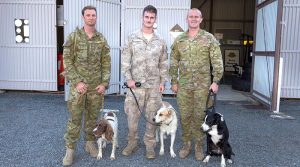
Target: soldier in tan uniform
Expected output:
[87,67]
[193,53]
[144,59]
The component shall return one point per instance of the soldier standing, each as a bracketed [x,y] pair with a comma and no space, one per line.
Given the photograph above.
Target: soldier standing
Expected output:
[193,53]
[87,66]
[144,59]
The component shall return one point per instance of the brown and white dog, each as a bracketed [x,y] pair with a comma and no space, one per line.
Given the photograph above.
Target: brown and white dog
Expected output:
[167,119]
[107,131]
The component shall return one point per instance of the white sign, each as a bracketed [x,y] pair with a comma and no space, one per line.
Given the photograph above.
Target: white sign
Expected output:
[232,57]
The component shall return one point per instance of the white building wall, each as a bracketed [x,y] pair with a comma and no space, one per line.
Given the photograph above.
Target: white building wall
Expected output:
[33,65]
[290,49]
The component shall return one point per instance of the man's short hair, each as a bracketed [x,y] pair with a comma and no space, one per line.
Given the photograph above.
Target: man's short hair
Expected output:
[150,9]
[88,8]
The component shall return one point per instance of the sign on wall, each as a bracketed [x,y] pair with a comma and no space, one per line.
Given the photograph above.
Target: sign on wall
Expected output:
[232,57]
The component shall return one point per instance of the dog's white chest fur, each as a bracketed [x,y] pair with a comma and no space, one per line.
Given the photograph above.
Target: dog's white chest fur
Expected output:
[215,137]
[171,127]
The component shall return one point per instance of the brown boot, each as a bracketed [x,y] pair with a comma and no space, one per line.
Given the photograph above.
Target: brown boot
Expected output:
[91,148]
[150,153]
[198,151]
[130,148]
[185,150]
[68,159]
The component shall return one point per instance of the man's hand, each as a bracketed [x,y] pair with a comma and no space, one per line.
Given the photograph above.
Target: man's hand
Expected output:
[81,87]
[131,83]
[174,88]
[100,89]
[214,87]
[161,88]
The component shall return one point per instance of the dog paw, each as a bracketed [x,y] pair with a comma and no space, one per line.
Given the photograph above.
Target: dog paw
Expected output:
[173,155]
[206,159]
[223,165]
[99,157]
[161,152]
[229,161]
[112,158]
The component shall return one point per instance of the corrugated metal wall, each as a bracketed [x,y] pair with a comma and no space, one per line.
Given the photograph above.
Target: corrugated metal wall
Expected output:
[264,42]
[170,13]
[31,66]
[108,23]
[290,49]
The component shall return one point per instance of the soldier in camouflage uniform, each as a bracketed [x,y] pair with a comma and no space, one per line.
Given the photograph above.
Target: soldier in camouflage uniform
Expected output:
[193,53]
[87,66]
[144,59]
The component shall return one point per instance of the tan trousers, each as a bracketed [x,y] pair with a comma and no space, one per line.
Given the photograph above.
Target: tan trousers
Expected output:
[150,100]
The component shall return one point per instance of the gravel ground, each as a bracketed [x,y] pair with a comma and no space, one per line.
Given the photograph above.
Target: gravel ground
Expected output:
[32,126]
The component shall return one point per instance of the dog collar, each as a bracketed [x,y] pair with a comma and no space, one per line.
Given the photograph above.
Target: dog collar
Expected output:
[169,122]
[110,119]
[209,130]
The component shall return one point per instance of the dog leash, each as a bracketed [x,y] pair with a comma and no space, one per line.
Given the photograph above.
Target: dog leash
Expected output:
[138,84]
[212,107]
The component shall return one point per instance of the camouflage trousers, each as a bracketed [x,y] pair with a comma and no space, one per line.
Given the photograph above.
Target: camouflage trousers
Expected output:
[88,107]
[192,105]
[150,100]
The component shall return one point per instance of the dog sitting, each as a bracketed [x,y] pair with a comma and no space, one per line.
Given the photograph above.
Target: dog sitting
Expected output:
[167,119]
[217,137]
[107,131]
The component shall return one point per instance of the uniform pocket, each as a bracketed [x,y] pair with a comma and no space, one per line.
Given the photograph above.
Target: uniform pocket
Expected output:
[138,46]
[97,47]
[82,51]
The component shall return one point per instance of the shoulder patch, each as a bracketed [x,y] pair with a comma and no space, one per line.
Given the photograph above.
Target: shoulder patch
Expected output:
[67,43]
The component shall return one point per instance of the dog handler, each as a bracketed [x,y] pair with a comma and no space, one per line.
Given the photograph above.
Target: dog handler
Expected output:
[144,59]
[87,66]
[193,53]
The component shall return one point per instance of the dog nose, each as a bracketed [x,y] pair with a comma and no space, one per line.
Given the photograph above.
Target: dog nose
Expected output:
[153,119]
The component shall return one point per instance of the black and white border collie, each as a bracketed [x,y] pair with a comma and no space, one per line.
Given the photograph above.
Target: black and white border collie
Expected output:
[217,137]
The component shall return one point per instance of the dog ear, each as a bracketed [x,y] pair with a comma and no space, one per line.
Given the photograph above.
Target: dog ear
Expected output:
[109,133]
[163,105]
[102,123]
[169,112]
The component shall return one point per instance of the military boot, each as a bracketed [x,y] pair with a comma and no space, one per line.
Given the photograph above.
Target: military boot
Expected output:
[68,159]
[150,153]
[131,147]
[185,150]
[91,148]
[198,151]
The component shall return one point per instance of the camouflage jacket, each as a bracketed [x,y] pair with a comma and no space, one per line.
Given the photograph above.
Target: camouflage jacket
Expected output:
[145,61]
[87,60]
[193,58]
